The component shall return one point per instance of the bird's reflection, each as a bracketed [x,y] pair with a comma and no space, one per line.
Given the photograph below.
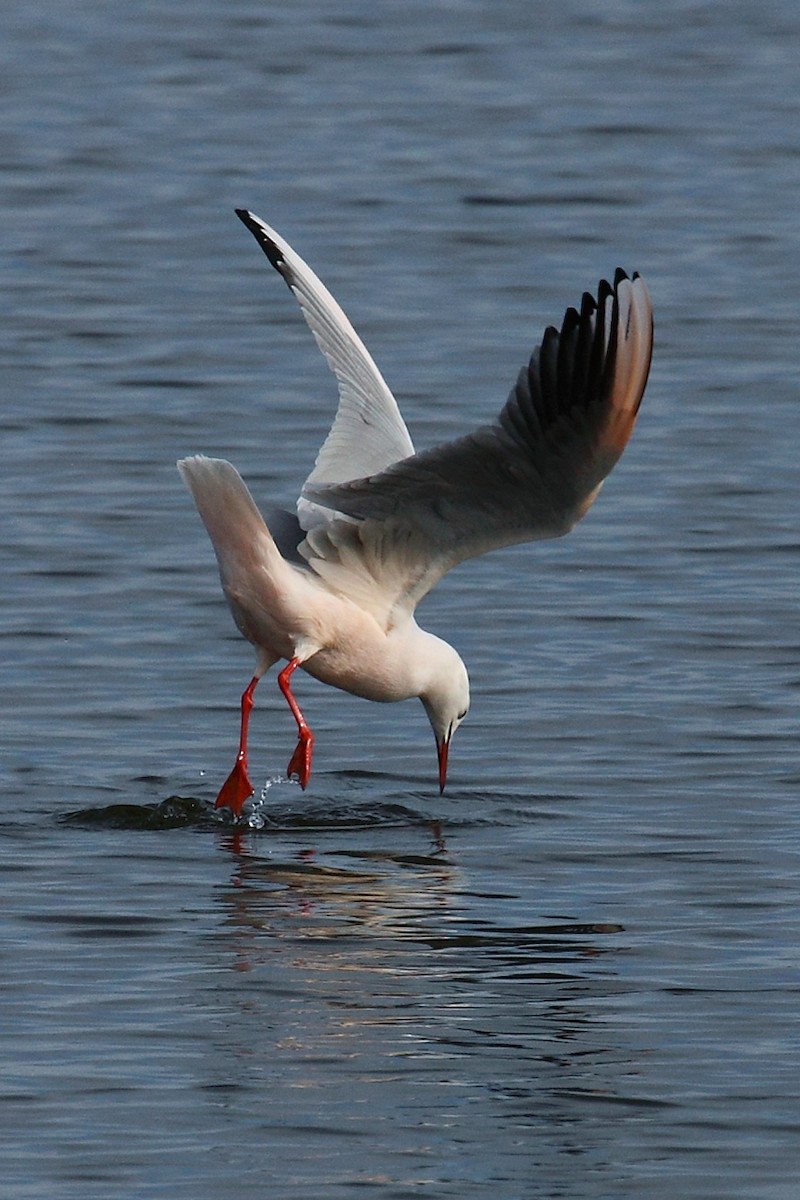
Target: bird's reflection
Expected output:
[406,910]
[375,976]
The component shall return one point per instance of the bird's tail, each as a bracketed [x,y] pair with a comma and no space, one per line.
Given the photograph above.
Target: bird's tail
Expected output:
[237,530]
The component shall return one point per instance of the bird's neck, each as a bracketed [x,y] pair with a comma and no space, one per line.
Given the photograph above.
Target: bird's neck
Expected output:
[426,658]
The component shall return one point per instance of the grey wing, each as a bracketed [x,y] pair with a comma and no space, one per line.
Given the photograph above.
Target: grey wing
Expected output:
[531,474]
[368,432]
[287,534]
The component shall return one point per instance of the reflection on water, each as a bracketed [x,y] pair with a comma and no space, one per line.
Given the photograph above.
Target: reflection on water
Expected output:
[363,1003]
[363,996]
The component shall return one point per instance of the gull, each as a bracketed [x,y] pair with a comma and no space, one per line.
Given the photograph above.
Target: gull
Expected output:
[333,587]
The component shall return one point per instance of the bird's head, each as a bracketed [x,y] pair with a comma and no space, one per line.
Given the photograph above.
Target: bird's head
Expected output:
[446,702]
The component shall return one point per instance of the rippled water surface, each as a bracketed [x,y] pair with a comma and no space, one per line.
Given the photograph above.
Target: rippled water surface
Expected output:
[576,974]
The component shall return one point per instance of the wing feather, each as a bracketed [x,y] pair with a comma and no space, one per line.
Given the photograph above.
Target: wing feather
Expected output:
[531,474]
[368,432]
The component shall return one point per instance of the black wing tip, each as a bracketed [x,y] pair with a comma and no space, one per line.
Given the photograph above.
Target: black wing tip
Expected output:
[606,289]
[621,276]
[270,248]
[248,219]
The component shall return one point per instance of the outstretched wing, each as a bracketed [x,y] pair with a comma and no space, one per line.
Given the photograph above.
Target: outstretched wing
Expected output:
[531,474]
[368,433]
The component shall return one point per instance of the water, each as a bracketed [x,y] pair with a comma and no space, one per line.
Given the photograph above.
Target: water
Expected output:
[577,973]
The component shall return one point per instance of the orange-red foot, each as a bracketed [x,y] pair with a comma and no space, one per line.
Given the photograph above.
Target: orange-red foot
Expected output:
[300,762]
[235,790]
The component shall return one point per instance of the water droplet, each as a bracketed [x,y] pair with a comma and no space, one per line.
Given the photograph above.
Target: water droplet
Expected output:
[270,783]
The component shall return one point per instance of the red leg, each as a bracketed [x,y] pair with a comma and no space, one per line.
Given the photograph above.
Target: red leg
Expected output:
[300,762]
[237,787]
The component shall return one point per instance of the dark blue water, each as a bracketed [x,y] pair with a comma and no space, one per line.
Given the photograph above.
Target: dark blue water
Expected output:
[588,986]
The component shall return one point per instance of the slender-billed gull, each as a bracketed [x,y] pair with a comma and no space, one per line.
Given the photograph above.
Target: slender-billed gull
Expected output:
[333,587]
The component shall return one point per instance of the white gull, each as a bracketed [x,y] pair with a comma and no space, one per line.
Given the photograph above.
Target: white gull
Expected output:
[333,589]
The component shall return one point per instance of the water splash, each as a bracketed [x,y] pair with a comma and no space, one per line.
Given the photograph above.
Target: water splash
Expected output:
[253,813]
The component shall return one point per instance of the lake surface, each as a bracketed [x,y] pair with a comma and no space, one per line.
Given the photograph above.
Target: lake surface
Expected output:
[576,974]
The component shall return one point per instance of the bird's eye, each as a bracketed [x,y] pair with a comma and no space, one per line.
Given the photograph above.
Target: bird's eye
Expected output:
[461,715]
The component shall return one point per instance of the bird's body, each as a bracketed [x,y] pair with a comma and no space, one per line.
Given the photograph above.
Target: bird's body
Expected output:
[287,611]
[334,589]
